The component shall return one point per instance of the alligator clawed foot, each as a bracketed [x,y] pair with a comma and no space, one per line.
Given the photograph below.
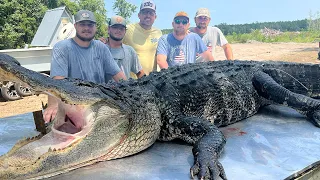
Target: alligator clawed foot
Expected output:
[208,170]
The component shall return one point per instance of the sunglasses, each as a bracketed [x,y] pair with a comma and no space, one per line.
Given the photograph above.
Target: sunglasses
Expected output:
[178,21]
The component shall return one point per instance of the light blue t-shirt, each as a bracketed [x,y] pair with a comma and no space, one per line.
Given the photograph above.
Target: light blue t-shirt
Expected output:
[181,52]
[94,63]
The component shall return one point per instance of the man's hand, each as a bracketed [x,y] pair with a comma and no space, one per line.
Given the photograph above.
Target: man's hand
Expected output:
[50,113]
[162,61]
[207,56]
[104,40]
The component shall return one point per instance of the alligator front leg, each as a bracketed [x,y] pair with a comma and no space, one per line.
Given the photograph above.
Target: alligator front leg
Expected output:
[207,140]
[206,152]
[271,90]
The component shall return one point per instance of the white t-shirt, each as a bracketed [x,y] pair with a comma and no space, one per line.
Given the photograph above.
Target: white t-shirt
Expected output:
[212,38]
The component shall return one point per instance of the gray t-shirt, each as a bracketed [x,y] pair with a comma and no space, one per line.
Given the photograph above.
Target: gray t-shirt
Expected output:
[180,52]
[212,38]
[94,63]
[127,59]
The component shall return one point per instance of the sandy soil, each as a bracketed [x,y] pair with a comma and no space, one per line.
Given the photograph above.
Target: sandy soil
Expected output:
[294,52]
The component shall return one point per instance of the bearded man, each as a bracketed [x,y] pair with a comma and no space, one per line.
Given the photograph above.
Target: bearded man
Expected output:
[211,36]
[124,55]
[181,47]
[81,57]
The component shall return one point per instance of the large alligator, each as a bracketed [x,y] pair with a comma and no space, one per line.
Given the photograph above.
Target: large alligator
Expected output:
[187,102]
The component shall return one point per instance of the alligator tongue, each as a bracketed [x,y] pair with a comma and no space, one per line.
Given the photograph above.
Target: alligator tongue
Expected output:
[70,119]
[69,127]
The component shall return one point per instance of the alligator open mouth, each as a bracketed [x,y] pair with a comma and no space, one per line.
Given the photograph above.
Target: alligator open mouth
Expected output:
[71,123]
[92,125]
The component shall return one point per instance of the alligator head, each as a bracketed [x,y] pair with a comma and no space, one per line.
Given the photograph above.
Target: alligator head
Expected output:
[90,126]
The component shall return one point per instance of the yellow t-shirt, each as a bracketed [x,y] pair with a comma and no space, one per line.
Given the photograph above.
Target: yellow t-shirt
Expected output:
[145,43]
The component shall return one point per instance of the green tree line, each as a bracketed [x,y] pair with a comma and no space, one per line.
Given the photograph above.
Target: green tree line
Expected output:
[20,19]
[283,26]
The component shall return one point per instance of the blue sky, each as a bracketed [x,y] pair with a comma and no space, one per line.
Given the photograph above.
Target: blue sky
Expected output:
[230,11]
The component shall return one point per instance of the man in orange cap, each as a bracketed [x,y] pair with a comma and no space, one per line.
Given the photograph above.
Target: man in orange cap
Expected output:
[180,47]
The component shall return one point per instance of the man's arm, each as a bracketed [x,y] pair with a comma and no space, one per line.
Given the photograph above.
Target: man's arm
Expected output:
[228,51]
[140,73]
[207,56]
[155,65]
[104,40]
[51,111]
[162,52]
[119,76]
[162,61]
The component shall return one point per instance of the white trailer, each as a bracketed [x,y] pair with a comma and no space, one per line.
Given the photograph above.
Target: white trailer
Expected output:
[56,25]
[36,59]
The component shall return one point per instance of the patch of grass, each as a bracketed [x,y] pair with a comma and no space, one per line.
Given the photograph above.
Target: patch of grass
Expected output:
[256,35]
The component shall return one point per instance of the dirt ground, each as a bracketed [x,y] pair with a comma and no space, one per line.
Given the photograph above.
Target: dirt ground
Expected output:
[294,52]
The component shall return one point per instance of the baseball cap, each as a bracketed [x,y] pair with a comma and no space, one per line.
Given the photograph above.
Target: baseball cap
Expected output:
[115,20]
[203,12]
[148,4]
[181,14]
[84,15]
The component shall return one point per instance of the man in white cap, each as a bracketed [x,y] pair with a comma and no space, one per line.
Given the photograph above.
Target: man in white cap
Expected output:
[211,36]
[81,57]
[143,37]
[180,47]
[125,56]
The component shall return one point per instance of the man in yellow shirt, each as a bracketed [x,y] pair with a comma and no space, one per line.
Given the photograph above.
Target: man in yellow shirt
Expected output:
[143,37]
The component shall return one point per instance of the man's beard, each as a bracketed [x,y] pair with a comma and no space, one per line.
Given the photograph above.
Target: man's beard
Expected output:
[180,31]
[83,38]
[201,26]
[115,38]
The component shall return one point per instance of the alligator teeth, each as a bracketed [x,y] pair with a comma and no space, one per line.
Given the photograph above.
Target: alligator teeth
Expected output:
[49,150]
[5,165]
[70,145]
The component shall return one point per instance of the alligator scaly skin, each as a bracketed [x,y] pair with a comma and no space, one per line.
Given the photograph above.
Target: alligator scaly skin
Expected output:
[187,102]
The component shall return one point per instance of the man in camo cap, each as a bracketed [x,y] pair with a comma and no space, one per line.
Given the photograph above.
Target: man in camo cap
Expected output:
[125,56]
